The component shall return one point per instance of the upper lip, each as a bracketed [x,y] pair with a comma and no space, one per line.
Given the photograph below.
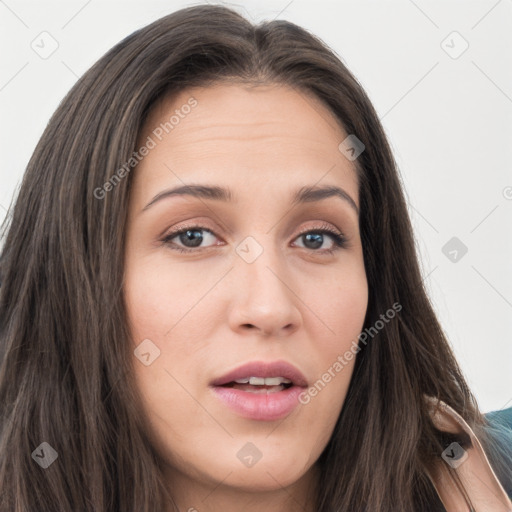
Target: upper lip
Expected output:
[263,369]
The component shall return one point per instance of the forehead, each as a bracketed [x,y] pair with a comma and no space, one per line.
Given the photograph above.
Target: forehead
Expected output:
[245,137]
[240,110]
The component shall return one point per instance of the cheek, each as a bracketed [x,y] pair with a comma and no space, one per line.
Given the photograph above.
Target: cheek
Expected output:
[168,320]
[158,296]
[335,346]
[159,313]
[340,308]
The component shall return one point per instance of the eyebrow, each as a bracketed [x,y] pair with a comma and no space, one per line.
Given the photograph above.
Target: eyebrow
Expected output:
[307,194]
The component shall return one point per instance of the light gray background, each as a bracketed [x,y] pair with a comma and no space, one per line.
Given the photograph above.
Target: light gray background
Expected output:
[448,119]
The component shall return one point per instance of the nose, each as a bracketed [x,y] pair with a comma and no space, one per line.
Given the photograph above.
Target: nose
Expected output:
[264,299]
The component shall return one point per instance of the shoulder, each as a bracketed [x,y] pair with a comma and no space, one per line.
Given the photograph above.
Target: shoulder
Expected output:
[499,428]
[501,418]
[486,473]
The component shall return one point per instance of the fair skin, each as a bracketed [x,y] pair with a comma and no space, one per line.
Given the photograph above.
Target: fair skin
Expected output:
[209,310]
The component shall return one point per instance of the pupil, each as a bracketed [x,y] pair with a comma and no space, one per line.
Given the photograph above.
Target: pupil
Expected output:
[317,239]
[189,236]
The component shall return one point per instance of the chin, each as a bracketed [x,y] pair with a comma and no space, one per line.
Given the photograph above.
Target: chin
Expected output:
[264,478]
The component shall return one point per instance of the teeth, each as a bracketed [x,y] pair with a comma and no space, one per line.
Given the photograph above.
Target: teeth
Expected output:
[263,381]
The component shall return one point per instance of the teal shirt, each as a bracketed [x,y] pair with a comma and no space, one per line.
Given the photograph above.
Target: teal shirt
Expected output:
[501,429]
[504,417]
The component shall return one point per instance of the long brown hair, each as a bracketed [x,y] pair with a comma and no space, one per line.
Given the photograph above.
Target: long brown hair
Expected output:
[65,376]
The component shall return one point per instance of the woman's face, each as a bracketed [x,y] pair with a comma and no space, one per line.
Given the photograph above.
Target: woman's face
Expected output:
[260,282]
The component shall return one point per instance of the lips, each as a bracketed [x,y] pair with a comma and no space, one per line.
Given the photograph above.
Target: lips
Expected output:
[261,401]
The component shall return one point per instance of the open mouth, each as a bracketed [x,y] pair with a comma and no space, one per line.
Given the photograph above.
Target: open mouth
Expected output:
[261,391]
[260,385]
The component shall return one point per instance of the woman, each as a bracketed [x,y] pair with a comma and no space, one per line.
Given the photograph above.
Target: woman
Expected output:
[211,299]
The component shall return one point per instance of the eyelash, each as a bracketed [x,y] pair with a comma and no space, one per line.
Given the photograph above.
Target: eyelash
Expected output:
[339,239]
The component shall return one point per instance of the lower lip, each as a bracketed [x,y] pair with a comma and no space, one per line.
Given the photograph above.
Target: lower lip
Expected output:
[260,406]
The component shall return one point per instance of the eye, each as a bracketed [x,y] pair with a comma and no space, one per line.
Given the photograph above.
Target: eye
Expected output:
[191,238]
[315,238]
